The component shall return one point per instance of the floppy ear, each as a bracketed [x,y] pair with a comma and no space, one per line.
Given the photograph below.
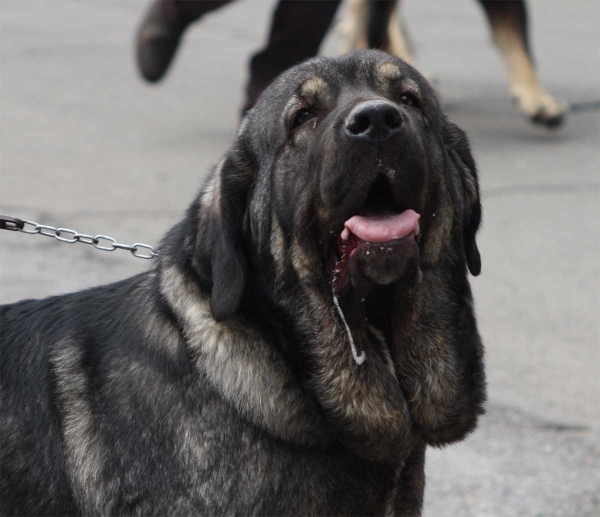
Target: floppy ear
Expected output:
[219,243]
[461,154]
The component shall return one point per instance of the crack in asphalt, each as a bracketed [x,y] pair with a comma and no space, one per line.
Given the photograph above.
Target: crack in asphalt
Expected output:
[578,107]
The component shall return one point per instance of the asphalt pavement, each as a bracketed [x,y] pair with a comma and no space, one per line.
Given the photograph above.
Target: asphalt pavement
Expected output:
[85,144]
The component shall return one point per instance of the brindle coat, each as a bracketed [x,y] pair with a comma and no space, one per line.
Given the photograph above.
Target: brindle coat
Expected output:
[222,382]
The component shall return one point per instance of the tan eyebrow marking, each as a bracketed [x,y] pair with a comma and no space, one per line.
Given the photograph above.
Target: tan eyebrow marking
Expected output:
[313,87]
[389,71]
[410,85]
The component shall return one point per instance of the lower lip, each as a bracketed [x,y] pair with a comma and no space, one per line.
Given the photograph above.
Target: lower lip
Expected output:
[340,270]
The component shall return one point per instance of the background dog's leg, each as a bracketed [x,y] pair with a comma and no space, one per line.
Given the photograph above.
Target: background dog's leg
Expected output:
[354,25]
[160,32]
[385,30]
[399,42]
[377,24]
[377,21]
[371,24]
[508,20]
[297,30]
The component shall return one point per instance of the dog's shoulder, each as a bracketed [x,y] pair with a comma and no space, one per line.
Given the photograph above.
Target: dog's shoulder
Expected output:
[36,323]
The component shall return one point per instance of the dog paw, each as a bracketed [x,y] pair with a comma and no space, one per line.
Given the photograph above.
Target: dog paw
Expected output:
[541,108]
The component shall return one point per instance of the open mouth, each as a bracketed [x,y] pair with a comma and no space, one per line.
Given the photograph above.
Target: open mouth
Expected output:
[377,236]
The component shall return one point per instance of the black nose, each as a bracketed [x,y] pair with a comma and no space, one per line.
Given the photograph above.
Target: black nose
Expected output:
[375,120]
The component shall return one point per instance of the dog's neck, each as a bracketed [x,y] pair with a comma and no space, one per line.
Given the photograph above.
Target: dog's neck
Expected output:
[238,360]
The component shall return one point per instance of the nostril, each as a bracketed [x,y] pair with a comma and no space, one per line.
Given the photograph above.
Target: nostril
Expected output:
[359,123]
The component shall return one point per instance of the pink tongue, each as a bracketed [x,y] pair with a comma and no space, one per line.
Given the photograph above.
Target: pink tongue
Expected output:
[382,228]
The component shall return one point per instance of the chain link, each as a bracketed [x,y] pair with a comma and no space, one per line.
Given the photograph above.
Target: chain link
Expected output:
[22,225]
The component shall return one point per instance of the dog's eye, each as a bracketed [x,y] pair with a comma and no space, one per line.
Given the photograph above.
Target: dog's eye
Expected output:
[301,117]
[410,100]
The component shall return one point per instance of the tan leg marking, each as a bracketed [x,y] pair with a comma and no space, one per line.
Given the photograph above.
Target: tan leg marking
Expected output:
[354,30]
[529,95]
[353,26]
[399,43]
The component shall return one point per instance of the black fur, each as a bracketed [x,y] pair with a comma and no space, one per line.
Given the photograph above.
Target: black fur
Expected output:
[221,382]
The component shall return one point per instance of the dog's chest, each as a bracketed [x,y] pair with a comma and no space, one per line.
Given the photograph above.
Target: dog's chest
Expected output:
[251,474]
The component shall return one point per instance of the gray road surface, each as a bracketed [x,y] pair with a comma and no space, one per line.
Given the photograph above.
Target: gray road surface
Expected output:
[87,145]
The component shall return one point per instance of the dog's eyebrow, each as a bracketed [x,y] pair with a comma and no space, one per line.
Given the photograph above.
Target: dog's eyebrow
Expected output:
[410,85]
[389,71]
[313,87]
[311,90]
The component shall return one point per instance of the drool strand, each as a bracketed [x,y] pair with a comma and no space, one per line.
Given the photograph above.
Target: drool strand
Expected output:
[359,359]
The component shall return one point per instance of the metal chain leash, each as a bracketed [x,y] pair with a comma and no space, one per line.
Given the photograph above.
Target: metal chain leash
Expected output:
[20,225]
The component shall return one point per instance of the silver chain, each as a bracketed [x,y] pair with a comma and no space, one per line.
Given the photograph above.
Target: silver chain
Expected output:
[110,244]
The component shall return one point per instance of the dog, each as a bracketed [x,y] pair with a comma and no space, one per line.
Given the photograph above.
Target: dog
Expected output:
[307,332]
[367,24]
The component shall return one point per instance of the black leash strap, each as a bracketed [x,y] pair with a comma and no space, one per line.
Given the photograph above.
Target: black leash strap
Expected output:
[12,224]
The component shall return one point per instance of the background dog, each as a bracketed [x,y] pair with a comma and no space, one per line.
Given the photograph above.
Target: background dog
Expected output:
[375,24]
[367,24]
[223,381]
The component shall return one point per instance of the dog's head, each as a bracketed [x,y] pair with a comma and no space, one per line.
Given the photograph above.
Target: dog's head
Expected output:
[347,181]
[349,167]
